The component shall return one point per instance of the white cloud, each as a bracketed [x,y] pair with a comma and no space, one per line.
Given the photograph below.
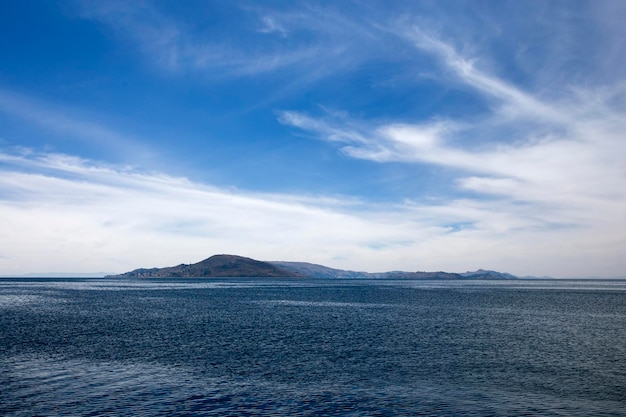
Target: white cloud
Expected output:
[66,212]
[60,212]
[270,25]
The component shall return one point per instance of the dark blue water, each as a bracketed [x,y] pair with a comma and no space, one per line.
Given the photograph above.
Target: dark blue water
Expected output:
[322,348]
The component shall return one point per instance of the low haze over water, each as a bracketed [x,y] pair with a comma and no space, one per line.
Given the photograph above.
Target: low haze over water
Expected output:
[312,347]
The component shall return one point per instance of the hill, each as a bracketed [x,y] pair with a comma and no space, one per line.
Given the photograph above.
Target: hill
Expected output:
[215,266]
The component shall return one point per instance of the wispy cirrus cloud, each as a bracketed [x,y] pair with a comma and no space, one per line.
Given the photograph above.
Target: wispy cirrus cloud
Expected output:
[62,120]
[561,160]
[266,41]
[270,25]
[515,102]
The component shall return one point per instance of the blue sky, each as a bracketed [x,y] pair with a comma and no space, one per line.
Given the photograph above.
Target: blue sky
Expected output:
[421,135]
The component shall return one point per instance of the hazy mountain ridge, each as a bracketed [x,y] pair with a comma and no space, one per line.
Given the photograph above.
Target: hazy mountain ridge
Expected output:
[487,274]
[321,271]
[223,266]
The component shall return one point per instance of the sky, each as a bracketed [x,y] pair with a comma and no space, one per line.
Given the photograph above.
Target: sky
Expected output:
[362,135]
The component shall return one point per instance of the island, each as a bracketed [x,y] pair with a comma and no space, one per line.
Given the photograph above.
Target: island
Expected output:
[225,266]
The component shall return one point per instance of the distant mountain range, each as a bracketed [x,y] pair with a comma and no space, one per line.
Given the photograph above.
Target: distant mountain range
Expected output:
[224,266]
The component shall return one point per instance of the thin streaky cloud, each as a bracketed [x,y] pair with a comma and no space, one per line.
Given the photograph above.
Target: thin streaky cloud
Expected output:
[270,25]
[177,49]
[62,120]
[133,201]
[517,102]
[126,210]
[312,44]
[549,162]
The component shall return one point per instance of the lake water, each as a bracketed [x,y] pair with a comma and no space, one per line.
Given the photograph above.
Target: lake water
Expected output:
[280,347]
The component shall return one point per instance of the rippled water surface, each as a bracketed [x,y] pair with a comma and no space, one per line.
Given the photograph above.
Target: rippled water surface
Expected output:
[312,347]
